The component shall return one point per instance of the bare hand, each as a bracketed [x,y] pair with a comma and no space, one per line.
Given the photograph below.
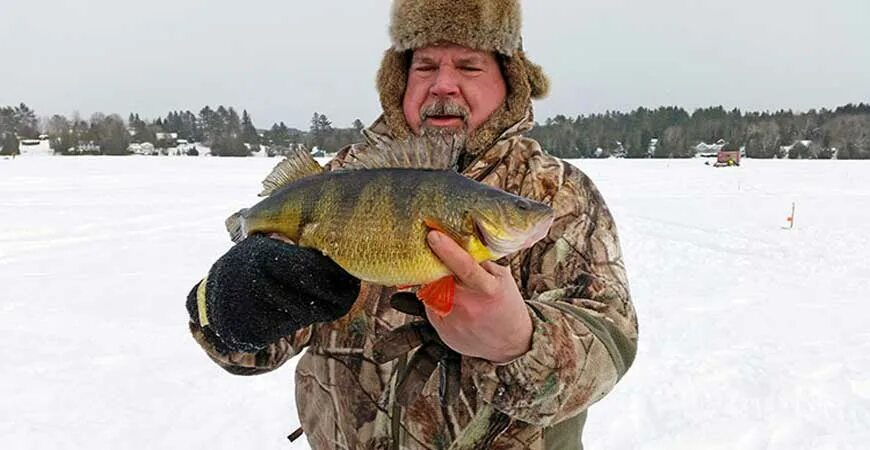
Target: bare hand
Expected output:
[489,318]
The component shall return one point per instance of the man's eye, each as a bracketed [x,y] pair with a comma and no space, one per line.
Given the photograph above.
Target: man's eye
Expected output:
[424,68]
[471,69]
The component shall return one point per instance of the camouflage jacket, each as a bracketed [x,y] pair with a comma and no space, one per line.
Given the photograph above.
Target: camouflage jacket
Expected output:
[584,336]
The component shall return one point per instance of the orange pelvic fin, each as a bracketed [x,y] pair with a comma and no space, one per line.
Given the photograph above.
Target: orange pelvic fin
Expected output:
[438,295]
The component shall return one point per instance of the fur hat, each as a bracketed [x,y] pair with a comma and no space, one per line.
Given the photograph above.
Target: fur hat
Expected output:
[491,25]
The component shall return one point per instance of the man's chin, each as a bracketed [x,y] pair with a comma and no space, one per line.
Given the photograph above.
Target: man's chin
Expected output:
[431,130]
[458,136]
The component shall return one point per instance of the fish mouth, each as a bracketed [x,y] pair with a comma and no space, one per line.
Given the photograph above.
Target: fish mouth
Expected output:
[539,231]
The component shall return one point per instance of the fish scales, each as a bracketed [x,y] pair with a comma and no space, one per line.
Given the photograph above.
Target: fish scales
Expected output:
[371,222]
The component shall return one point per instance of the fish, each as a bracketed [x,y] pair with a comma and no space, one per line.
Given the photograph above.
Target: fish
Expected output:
[372,216]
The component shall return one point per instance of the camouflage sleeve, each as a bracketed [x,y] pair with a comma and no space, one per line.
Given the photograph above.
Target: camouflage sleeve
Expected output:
[273,356]
[265,360]
[585,329]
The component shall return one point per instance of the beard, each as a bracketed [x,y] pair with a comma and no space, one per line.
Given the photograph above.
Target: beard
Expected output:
[459,136]
[445,108]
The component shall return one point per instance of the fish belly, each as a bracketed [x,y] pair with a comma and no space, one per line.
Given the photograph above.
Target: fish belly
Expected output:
[389,262]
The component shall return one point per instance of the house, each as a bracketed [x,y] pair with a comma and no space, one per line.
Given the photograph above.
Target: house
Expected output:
[709,150]
[166,140]
[729,155]
[87,148]
[166,136]
[145,148]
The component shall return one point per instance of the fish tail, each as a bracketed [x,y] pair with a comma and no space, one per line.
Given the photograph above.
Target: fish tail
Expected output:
[236,226]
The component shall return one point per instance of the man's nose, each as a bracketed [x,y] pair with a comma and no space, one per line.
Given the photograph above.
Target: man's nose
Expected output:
[446,83]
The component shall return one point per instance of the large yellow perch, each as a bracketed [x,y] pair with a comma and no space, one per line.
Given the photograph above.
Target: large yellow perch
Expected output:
[373,221]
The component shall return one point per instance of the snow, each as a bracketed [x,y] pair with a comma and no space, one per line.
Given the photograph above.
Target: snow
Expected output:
[752,336]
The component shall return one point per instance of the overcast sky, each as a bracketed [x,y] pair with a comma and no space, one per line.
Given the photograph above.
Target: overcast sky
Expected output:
[283,60]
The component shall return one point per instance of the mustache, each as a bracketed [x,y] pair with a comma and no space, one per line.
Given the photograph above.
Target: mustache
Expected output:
[444,108]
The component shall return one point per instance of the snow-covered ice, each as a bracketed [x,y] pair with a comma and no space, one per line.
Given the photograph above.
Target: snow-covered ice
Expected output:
[752,336]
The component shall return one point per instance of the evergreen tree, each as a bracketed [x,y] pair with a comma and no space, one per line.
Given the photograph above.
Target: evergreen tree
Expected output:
[192,129]
[249,131]
[358,125]
[320,128]
[27,126]
[20,121]
[141,131]
[226,135]
[208,124]
[281,134]
[9,144]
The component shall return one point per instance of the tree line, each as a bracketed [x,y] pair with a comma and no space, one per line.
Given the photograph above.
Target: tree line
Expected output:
[672,132]
[227,133]
[222,129]
[665,132]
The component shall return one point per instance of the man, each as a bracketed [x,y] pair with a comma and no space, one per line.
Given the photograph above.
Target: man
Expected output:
[545,332]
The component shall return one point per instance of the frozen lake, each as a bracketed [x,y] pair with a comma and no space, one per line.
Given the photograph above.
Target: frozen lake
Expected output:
[752,336]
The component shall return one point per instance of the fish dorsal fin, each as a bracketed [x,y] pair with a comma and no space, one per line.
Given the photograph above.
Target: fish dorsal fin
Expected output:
[297,165]
[429,152]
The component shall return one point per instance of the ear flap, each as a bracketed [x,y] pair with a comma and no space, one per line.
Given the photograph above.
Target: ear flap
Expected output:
[391,81]
[539,82]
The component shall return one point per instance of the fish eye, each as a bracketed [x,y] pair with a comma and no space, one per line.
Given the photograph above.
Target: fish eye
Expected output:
[523,204]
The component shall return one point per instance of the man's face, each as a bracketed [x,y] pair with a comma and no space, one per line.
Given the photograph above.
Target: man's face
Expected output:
[452,88]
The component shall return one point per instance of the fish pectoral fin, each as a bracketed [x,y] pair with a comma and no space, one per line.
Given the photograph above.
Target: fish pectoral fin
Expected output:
[438,295]
[435,224]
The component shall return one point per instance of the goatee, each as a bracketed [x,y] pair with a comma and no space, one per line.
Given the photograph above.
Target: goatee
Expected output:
[458,135]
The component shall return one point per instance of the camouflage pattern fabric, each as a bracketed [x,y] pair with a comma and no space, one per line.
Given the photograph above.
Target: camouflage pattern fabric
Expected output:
[584,337]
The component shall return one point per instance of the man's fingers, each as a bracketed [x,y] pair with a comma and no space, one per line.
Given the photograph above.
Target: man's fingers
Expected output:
[495,269]
[459,262]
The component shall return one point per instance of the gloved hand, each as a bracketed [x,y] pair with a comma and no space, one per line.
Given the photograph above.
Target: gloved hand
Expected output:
[263,289]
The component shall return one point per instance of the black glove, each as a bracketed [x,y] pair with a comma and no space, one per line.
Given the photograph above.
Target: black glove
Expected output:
[263,289]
